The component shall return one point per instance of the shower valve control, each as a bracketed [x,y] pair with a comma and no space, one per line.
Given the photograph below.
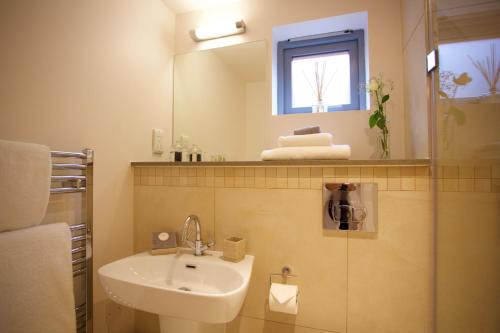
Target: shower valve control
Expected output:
[350,206]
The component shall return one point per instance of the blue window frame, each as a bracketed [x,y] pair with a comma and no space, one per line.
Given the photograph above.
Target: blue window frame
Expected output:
[288,50]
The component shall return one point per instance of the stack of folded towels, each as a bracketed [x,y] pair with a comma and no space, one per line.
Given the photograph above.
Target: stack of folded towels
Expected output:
[307,144]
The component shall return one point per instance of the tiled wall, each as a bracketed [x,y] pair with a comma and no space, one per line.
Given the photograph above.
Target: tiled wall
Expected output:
[349,282]
[408,178]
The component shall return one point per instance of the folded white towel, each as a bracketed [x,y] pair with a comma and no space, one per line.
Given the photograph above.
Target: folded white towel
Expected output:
[37,280]
[319,139]
[25,170]
[333,152]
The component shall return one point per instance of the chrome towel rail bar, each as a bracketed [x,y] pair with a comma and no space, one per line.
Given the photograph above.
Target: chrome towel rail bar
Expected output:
[68,166]
[76,227]
[66,178]
[68,154]
[67,189]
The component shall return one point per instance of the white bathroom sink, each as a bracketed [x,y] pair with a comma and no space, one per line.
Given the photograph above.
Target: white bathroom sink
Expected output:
[204,288]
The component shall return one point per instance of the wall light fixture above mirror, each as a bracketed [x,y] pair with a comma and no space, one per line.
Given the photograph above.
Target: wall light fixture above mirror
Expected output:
[218,30]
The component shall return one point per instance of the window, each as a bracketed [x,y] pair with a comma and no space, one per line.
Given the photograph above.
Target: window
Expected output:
[327,69]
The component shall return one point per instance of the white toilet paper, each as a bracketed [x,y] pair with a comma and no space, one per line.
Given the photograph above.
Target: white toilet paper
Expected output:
[283,298]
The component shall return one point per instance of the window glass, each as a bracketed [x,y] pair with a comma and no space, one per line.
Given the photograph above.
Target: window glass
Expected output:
[324,77]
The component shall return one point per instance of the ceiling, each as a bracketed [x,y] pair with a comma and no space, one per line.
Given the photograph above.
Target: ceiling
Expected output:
[184,6]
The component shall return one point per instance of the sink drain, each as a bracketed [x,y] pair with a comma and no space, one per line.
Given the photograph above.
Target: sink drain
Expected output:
[184,289]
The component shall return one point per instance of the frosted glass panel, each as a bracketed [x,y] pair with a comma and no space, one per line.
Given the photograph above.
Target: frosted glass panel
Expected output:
[327,74]
[478,59]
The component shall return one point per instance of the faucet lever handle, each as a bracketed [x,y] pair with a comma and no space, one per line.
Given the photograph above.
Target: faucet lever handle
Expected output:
[211,243]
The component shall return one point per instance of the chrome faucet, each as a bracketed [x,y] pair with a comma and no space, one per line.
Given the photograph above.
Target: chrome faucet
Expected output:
[197,245]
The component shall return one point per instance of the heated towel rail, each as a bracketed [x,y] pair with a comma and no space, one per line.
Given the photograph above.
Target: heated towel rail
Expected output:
[72,172]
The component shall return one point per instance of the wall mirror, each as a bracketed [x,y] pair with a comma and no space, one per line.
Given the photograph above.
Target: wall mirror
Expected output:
[224,98]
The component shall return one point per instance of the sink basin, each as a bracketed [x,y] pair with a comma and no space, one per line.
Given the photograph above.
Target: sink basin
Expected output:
[204,288]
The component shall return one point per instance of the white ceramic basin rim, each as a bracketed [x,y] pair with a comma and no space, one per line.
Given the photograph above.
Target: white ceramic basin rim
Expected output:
[205,288]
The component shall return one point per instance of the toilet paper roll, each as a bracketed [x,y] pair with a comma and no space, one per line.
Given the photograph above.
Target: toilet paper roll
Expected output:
[284,298]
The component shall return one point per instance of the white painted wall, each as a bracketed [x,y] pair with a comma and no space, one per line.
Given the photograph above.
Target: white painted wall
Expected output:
[97,74]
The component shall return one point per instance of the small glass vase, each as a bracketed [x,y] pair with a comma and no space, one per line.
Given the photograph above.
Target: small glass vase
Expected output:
[319,107]
[384,145]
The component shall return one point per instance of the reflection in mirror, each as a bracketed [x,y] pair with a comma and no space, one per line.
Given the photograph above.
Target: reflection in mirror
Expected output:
[225,99]
[216,94]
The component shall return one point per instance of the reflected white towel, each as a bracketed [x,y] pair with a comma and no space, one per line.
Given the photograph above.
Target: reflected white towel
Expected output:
[334,152]
[319,139]
[25,170]
[37,280]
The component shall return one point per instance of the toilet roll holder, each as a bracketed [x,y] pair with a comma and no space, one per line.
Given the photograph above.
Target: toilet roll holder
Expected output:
[286,272]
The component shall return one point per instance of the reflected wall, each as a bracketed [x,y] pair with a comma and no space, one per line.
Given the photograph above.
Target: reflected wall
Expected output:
[467,169]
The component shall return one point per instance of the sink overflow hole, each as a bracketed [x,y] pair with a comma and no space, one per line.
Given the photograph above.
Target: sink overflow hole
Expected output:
[184,289]
[191,266]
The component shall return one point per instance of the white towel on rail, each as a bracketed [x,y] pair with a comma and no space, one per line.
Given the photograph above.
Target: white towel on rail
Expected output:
[333,152]
[36,280]
[318,139]
[25,170]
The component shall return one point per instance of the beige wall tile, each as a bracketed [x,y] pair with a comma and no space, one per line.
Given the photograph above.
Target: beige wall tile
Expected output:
[422,184]
[260,172]
[390,273]
[482,185]
[279,233]
[422,171]
[482,172]
[281,172]
[495,185]
[450,172]
[293,182]
[239,172]
[382,183]
[158,208]
[249,172]
[175,172]
[328,172]
[495,171]
[380,172]
[316,172]
[192,172]
[183,171]
[270,172]
[450,185]
[466,172]
[281,182]
[304,172]
[341,173]
[408,184]
[354,172]
[219,172]
[239,181]
[467,250]
[394,184]
[209,172]
[244,324]
[209,181]
[218,181]
[200,181]
[200,172]
[393,172]
[316,183]
[183,181]
[366,172]
[229,181]
[192,181]
[270,182]
[249,181]
[304,183]
[466,185]
[293,172]
[260,182]
[229,172]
